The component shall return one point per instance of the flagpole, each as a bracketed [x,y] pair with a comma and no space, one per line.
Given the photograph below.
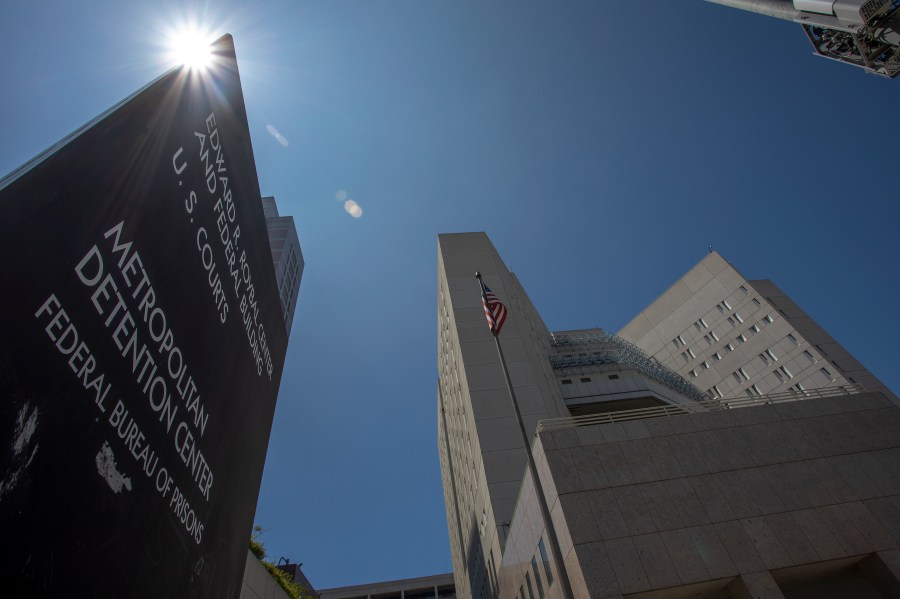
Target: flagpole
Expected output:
[532,467]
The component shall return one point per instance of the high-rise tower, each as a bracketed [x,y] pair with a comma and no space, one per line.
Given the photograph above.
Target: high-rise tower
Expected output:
[287,257]
[555,375]
[654,487]
[732,337]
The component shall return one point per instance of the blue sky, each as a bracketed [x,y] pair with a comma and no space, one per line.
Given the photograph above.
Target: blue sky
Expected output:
[603,146]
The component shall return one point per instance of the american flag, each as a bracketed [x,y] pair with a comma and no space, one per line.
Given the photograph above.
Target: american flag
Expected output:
[494,310]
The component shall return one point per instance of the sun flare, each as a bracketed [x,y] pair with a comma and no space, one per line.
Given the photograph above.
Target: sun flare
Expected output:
[190,47]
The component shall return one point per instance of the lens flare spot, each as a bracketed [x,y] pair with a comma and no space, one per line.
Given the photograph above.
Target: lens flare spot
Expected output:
[277,135]
[353,209]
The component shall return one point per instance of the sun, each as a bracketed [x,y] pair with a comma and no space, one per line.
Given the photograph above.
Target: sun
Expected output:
[190,47]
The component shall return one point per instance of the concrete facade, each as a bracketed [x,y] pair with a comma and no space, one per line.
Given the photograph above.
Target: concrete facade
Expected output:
[286,255]
[439,586]
[718,479]
[731,336]
[258,583]
[798,499]
[482,452]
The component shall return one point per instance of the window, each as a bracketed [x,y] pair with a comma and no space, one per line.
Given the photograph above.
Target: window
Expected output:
[778,376]
[717,356]
[729,347]
[705,364]
[744,289]
[691,352]
[528,584]
[713,335]
[685,356]
[850,378]
[709,340]
[809,357]
[693,374]
[738,317]
[743,374]
[703,322]
[547,571]
[567,381]
[585,379]
[756,302]
[680,340]
[764,359]
[748,392]
[825,372]
[716,389]
[793,339]
[769,318]
[697,325]
[786,372]
[755,328]
[836,366]
[613,377]
[537,577]
[731,321]
[721,309]
[675,342]
[769,353]
[755,389]
[726,304]
[737,377]
[740,338]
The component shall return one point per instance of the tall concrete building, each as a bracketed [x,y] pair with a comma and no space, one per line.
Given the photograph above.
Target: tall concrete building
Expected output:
[554,375]
[731,336]
[656,489]
[286,255]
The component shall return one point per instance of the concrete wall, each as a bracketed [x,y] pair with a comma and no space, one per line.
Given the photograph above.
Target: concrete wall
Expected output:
[258,583]
[721,504]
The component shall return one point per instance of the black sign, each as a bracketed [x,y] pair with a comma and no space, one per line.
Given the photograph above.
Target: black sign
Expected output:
[141,348]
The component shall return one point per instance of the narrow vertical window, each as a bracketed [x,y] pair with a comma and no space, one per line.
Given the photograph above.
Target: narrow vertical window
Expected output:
[528,584]
[547,571]
[537,577]
[793,339]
